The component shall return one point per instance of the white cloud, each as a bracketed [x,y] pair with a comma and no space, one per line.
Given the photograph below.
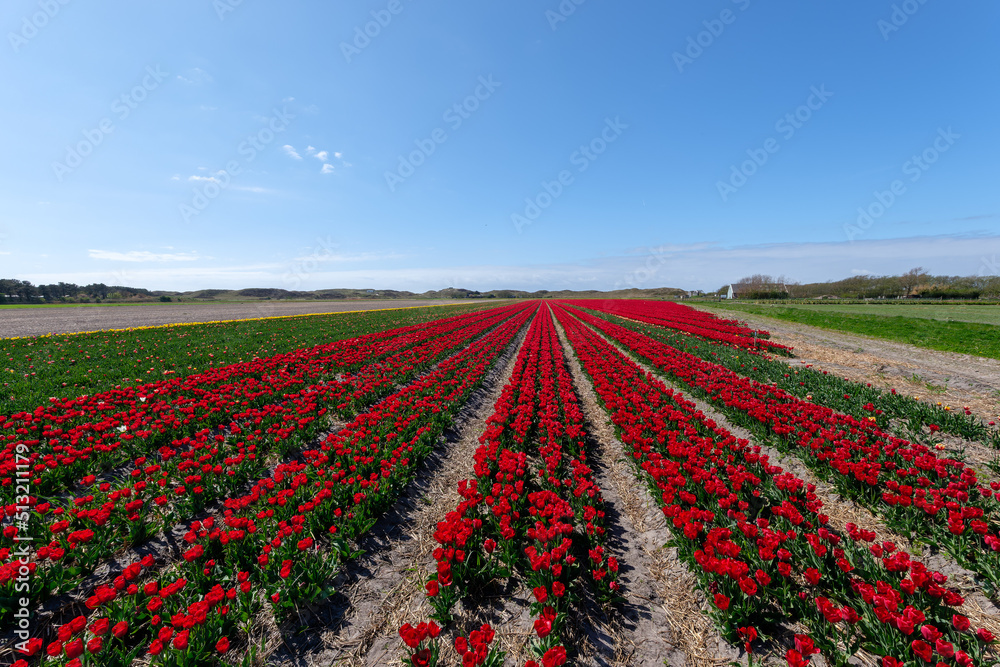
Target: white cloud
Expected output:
[290,151]
[322,155]
[144,256]
[195,77]
[687,266]
[310,150]
[211,179]
[327,169]
[4,252]
[323,257]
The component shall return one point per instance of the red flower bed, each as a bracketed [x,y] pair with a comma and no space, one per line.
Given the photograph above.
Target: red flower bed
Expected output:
[517,517]
[289,533]
[194,471]
[686,320]
[919,493]
[755,536]
[62,442]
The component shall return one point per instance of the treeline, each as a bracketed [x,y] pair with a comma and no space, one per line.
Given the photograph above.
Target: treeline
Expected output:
[22,291]
[914,284]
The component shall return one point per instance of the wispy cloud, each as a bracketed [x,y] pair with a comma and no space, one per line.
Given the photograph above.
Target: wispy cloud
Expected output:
[975,217]
[687,266]
[195,178]
[348,257]
[144,256]
[195,77]
[323,156]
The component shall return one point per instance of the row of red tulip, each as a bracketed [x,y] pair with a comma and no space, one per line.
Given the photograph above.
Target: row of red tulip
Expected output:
[287,536]
[689,321]
[83,532]
[925,420]
[757,541]
[515,516]
[62,442]
[919,493]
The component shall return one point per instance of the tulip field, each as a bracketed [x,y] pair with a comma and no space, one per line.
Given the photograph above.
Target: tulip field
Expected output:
[169,520]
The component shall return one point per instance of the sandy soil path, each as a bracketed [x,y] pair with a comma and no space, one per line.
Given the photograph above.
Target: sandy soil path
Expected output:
[38,321]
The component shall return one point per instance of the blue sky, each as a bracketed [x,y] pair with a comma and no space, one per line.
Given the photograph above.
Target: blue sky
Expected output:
[219,143]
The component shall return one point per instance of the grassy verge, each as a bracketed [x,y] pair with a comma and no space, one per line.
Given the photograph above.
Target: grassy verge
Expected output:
[982,340]
[986,313]
[34,368]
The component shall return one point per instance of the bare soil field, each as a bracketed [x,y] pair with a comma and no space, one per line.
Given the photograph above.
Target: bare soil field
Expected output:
[953,379]
[38,321]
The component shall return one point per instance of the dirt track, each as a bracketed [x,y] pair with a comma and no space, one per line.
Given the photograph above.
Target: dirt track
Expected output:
[37,321]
